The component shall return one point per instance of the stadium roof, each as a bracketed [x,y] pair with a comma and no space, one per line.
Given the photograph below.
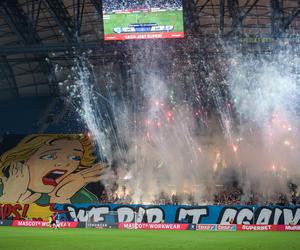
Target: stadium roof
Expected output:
[38,37]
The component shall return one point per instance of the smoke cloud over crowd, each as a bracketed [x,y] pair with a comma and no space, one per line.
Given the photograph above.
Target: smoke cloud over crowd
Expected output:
[187,128]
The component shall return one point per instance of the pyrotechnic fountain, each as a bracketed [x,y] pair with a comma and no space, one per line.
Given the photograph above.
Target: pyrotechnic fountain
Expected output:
[265,93]
[174,128]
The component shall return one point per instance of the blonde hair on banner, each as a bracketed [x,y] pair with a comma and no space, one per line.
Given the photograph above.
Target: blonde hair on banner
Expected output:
[31,143]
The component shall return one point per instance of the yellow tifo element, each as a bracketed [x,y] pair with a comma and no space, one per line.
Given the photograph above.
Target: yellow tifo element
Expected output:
[36,211]
[24,211]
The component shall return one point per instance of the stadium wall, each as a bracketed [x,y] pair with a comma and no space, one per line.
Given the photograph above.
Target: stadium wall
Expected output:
[116,213]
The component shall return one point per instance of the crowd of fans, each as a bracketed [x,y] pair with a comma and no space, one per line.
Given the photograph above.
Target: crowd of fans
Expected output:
[225,196]
[235,196]
[108,6]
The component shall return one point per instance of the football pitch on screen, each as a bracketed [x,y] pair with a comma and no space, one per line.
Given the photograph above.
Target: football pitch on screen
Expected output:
[172,18]
[46,238]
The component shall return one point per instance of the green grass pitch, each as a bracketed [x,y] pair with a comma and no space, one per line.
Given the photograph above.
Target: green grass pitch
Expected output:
[173,18]
[111,239]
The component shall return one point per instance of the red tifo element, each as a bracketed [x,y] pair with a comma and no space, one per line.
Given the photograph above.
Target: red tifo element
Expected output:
[48,180]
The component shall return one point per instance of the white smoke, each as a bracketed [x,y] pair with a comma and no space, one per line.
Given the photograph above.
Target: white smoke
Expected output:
[265,93]
[160,151]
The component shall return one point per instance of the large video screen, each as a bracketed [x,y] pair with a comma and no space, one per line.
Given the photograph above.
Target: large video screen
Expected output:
[142,19]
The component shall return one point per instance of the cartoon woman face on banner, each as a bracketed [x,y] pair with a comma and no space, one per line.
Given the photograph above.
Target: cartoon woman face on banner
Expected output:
[57,166]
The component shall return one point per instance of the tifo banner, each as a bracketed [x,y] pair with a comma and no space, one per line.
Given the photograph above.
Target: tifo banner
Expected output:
[116,213]
[46,169]
[270,215]
[25,211]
